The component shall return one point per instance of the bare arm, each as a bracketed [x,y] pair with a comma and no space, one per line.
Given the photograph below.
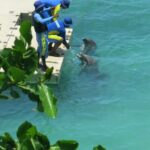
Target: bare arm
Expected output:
[38,18]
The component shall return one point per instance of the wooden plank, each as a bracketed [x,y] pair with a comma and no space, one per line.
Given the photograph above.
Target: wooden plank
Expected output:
[14,33]
[7,24]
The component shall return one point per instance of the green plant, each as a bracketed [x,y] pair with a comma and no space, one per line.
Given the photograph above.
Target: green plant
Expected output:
[99,147]
[29,138]
[19,64]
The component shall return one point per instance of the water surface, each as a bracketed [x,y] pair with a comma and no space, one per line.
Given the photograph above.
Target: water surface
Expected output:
[113,110]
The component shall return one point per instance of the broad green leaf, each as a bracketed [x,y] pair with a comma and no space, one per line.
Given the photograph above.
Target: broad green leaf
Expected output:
[34,97]
[15,74]
[6,86]
[14,93]
[48,74]
[2,148]
[31,144]
[40,107]
[55,147]
[67,144]
[99,147]
[29,53]
[26,130]
[7,142]
[2,79]
[5,55]
[48,100]
[31,139]
[6,52]
[1,61]
[4,96]
[30,91]
[25,31]
[30,60]
[19,45]
[43,140]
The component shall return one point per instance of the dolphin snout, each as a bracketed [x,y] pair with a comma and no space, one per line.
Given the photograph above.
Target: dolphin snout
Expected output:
[84,39]
[78,55]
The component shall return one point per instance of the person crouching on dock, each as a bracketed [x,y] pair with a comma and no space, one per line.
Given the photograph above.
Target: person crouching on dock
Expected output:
[57,34]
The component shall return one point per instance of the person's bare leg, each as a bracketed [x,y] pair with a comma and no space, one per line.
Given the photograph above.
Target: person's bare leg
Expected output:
[53,52]
[56,46]
[50,47]
[44,63]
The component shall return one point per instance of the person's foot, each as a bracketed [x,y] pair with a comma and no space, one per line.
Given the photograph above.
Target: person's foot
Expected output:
[40,65]
[44,68]
[50,47]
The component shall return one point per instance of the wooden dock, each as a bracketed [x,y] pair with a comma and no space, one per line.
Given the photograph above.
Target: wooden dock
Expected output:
[9,30]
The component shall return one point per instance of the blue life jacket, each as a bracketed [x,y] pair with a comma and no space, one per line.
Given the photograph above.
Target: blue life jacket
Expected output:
[37,25]
[57,27]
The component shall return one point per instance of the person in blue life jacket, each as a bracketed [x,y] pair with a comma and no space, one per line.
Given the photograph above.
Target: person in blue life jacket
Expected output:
[39,23]
[57,34]
[55,6]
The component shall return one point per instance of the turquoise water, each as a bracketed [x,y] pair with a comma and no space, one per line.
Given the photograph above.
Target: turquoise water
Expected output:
[112,110]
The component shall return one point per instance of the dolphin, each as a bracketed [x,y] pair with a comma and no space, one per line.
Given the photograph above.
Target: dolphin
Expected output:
[86,60]
[89,65]
[88,45]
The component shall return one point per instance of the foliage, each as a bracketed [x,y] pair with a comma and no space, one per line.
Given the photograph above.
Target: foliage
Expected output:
[29,138]
[99,147]
[20,63]
[7,142]
[25,27]
[50,103]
